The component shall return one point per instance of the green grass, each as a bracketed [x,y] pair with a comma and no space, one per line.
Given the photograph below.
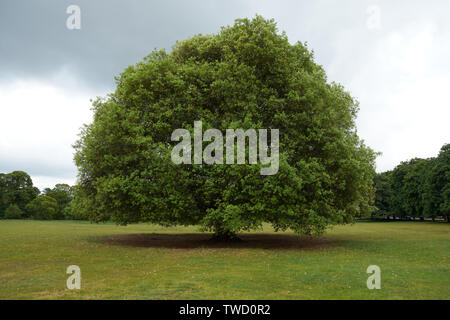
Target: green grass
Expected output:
[150,262]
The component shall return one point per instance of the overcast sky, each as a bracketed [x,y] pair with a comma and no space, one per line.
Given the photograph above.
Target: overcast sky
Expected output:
[393,56]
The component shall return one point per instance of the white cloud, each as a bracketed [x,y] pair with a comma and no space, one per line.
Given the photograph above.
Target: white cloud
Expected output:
[404,95]
[39,123]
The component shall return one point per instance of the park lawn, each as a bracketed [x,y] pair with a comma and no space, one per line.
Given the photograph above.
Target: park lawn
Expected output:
[144,261]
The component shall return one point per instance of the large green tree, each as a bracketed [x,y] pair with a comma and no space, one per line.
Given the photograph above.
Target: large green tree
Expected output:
[246,76]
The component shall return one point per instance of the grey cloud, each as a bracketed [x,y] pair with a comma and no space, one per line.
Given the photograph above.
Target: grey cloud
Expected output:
[114,34]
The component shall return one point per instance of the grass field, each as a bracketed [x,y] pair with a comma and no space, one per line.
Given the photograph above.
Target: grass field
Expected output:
[149,262]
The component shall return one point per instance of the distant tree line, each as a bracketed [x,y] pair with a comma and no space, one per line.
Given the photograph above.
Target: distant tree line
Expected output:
[415,189]
[19,199]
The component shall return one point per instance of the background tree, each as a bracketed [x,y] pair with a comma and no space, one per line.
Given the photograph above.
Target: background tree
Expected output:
[3,201]
[16,188]
[246,76]
[63,194]
[13,212]
[437,202]
[409,181]
[383,194]
[398,197]
[76,210]
[413,187]
[445,205]
[42,208]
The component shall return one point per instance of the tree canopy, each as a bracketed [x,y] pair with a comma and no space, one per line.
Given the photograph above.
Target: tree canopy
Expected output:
[246,76]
